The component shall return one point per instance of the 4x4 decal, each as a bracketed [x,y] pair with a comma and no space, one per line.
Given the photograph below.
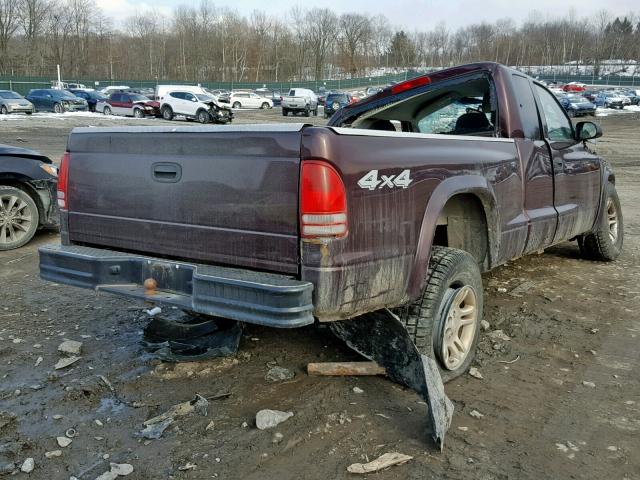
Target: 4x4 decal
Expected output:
[370,180]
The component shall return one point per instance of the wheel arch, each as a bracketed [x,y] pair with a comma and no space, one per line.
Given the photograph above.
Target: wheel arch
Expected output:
[22,182]
[469,200]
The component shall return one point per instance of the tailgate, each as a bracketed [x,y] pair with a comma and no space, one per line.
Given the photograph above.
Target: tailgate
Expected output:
[226,195]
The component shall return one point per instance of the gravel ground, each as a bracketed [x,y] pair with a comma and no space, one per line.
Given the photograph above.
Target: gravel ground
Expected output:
[560,399]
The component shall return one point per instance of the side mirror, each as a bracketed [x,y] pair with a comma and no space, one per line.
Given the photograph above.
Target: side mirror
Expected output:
[194,99]
[587,131]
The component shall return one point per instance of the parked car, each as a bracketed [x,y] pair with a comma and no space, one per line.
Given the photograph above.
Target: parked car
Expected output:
[129,105]
[219,94]
[335,101]
[92,97]
[632,95]
[113,88]
[28,202]
[54,100]
[372,91]
[12,102]
[195,106]
[300,100]
[283,225]
[577,105]
[249,100]
[609,100]
[574,87]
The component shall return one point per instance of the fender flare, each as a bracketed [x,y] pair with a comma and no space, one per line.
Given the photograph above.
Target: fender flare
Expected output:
[464,184]
[608,176]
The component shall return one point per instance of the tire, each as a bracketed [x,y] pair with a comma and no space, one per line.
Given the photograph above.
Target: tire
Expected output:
[453,279]
[605,242]
[23,218]
[203,116]
[4,110]
[138,113]
[57,108]
[106,111]
[236,105]
[307,112]
[167,113]
[264,106]
[29,113]
[285,112]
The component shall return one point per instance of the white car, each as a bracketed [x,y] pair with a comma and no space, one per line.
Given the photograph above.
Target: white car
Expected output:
[197,106]
[249,100]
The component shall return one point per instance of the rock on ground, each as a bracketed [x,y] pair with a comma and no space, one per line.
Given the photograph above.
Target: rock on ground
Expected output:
[270,418]
[278,374]
[70,347]
[28,465]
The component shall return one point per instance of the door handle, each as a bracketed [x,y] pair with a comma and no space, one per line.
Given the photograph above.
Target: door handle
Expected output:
[166,172]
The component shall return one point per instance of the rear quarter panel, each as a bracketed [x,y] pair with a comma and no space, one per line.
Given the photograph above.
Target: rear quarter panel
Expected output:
[382,260]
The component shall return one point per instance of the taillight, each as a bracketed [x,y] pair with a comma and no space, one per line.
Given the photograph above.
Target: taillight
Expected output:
[323,201]
[409,84]
[63,181]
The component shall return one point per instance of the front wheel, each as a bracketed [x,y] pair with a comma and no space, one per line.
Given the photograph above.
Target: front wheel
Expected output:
[106,111]
[19,218]
[285,112]
[264,106]
[444,322]
[203,117]
[57,108]
[138,113]
[4,110]
[236,105]
[605,242]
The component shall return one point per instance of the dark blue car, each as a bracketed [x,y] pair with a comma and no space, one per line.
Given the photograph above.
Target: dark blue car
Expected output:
[577,105]
[91,96]
[54,100]
[335,101]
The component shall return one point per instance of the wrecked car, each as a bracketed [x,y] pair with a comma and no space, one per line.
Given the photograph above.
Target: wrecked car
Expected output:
[27,195]
[192,105]
[399,203]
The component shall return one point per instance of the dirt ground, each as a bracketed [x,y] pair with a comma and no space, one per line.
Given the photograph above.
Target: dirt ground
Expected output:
[577,321]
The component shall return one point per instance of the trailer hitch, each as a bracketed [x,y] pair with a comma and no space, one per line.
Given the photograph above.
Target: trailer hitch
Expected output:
[381,337]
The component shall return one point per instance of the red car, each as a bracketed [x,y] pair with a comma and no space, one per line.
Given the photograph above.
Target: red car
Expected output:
[574,87]
[129,105]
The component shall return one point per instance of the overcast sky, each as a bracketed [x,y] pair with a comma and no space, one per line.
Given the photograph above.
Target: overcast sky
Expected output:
[409,14]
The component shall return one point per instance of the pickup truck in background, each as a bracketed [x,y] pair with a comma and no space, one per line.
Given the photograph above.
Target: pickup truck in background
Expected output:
[400,202]
[300,100]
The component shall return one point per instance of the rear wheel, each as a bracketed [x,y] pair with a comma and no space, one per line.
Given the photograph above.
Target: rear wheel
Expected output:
[57,108]
[4,110]
[167,113]
[285,112]
[138,113]
[106,111]
[444,322]
[307,112]
[19,218]
[605,242]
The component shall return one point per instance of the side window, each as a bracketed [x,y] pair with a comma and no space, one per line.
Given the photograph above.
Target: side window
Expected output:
[115,97]
[558,126]
[527,104]
[189,97]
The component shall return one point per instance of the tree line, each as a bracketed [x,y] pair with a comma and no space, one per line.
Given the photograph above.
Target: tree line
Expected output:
[207,43]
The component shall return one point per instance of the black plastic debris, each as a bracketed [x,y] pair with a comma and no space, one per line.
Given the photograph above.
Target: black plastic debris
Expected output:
[179,336]
[381,337]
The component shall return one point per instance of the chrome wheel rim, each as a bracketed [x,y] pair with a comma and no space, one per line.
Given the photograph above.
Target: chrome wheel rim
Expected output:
[459,328]
[612,218]
[15,219]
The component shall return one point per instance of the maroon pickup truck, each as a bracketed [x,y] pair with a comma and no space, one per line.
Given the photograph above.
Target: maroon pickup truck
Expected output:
[400,202]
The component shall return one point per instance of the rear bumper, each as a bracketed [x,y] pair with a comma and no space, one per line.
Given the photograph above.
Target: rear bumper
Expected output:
[243,295]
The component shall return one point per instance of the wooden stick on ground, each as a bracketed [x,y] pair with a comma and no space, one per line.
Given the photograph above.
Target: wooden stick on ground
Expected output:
[345,368]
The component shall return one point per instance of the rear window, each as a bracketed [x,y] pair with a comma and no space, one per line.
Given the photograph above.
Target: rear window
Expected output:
[337,98]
